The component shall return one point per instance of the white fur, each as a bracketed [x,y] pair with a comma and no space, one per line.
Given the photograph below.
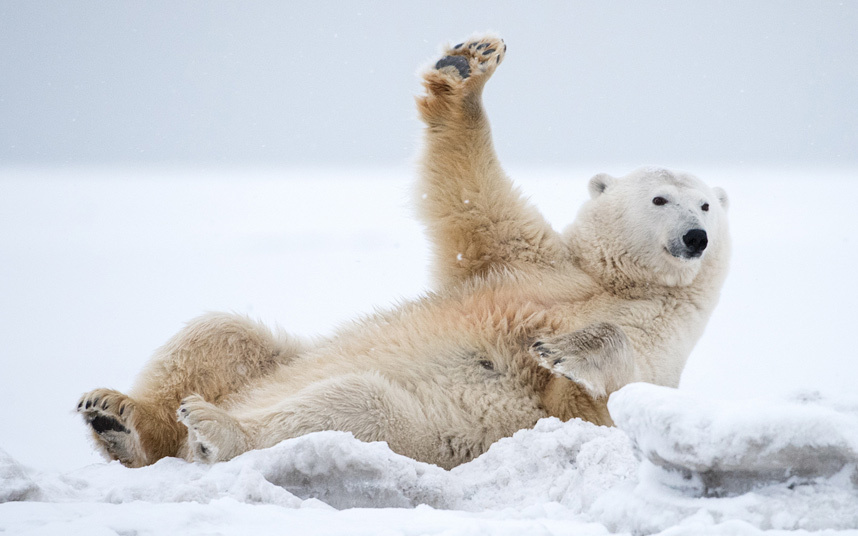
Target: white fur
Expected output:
[623,240]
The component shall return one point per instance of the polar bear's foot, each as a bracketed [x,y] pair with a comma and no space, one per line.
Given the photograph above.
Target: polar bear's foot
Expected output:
[109,414]
[459,75]
[479,57]
[598,357]
[213,435]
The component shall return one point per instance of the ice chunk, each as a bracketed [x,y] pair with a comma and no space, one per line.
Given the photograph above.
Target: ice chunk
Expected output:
[726,448]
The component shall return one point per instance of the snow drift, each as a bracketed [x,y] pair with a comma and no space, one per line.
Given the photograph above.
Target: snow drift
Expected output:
[674,460]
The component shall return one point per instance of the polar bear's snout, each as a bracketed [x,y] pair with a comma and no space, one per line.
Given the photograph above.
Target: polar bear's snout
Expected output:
[695,242]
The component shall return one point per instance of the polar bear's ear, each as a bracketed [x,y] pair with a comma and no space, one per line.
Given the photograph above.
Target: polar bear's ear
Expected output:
[599,184]
[722,197]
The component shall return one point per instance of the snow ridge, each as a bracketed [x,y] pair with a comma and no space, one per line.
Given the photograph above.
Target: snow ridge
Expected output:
[675,463]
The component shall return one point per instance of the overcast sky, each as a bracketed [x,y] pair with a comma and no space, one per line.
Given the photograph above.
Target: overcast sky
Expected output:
[330,83]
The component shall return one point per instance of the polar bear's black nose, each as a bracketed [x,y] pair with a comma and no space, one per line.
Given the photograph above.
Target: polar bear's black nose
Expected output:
[695,240]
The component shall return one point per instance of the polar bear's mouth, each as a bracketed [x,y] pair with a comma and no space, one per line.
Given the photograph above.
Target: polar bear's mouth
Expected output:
[676,254]
[683,255]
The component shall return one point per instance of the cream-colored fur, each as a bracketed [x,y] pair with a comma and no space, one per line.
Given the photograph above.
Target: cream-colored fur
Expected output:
[524,322]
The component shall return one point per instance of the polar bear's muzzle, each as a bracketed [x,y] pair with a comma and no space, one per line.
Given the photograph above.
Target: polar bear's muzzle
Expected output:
[690,245]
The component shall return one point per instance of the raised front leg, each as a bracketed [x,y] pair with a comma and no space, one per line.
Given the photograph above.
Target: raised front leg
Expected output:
[599,358]
[476,219]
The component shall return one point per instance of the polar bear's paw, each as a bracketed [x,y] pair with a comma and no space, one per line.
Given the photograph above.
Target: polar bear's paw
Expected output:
[108,414]
[462,71]
[213,435]
[478,57]
[598,358]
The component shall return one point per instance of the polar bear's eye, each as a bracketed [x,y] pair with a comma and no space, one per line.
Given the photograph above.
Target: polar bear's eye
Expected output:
[705,207]
[659,201]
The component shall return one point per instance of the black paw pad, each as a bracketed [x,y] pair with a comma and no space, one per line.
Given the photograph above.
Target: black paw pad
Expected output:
[459,62]
[102,424]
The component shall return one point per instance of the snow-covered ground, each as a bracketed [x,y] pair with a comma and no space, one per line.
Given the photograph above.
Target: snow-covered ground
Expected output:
[99,267]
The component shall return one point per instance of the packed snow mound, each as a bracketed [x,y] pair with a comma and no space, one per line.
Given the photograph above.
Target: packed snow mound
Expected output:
[15,484]
[555,461]
[777,465]
[729,447]
[569,463]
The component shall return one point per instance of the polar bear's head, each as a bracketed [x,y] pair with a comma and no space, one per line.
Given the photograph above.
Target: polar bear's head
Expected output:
[653,226]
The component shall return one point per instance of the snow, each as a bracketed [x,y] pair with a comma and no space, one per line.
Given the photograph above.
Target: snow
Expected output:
[556,477]
[725,448]
[101,266]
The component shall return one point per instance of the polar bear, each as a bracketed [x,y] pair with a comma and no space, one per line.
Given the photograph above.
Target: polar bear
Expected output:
[523,323]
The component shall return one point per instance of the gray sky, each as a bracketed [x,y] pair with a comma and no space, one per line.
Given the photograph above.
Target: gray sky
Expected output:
[329,83]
